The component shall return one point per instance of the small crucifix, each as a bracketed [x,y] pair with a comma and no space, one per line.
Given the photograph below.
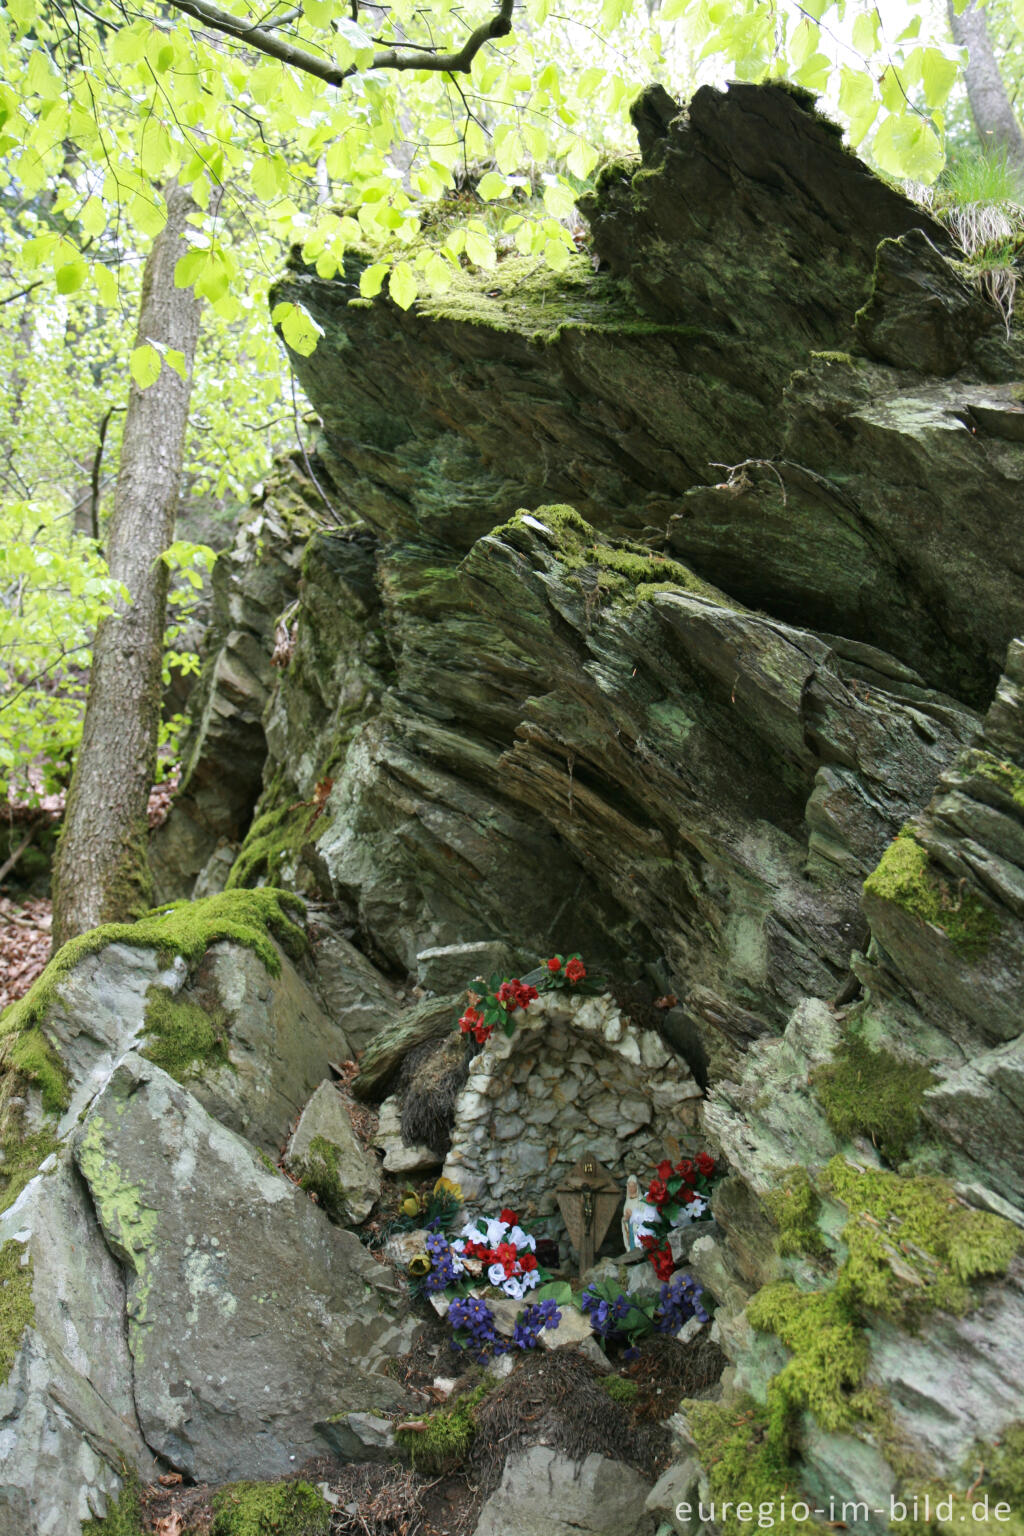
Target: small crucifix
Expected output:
[588,1198]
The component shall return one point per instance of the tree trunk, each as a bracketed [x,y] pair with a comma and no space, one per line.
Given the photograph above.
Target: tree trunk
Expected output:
[991,107]
[101,873]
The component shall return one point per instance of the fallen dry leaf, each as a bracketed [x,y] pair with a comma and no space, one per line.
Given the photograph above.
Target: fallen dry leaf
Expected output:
[668,1001]
[169,1479]
[170,1525]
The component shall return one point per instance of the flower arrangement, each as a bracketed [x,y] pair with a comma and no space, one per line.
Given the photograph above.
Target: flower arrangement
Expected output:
[492,1252]
[625,1320]
[678,1194]
[505,997]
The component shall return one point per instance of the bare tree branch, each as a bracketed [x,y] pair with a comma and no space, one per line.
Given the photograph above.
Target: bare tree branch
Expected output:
[408,56]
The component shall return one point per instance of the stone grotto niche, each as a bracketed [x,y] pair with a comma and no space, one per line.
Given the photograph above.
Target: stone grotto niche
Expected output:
[576,1076]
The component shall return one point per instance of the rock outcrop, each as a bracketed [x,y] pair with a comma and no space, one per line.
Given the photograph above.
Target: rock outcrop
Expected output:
[685,583]
[676,623]
[170,1299]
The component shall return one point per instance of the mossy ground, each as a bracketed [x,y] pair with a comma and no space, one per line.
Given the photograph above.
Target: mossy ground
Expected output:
[1006,775]
[270,1509]
[273,840]
[913,1245]
[618,571]
[449,1433]
[621,1390]
[866,1091]
[905,876]
[17,1311]
[183,1037]
[20,1157]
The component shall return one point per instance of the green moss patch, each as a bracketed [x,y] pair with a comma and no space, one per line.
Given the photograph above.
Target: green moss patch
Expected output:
[829,1353]
[185,928]
[28,1054]
[745,1460]
[17,1311]
[621,1390]
[317,1173]
[906,878]
[913,1245]
[445,1441]
[1005,775]
[20,1157]
[617,570]
[273,840]
[270,1509]
[794,1205]
[182,1037]
[867,1091]
[123,1518]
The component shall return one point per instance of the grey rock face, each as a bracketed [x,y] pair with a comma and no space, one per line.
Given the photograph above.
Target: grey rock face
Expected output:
[325,1149]
[250,1317]
[280,1044]
[543,1493]
[67,1412]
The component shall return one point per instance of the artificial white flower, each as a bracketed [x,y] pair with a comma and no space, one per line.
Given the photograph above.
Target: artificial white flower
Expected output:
[515,1286]
[521,1239]
[496,1274]
[496,1229]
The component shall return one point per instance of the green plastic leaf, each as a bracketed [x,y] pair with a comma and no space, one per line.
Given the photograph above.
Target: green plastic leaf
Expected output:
[144,364]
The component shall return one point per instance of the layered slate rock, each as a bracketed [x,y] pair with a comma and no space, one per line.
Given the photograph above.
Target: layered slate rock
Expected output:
[686,580]
[249,1315]
[255,582]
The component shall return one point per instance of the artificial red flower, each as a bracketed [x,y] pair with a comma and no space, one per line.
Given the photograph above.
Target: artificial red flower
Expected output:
[527,1261]
[483,1032]
[575,971]
[509,1216]
[524,994]
[471,1019]
[686,1170]
[506,996]
[554,965]
[665,1170]
[505,1255]
[647,1242]
[705,1164]
[658,1193]
[687,1195]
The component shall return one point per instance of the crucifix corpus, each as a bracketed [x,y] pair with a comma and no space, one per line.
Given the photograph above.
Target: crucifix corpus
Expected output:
[588,1198]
